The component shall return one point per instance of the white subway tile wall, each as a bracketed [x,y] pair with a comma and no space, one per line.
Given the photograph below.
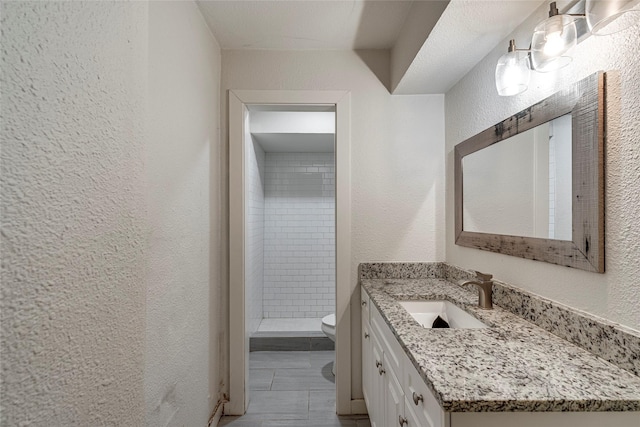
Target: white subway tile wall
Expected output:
[254,234]
[299,235]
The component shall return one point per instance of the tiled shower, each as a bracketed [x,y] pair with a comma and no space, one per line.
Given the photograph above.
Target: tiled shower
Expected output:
[290,238]
[299,235]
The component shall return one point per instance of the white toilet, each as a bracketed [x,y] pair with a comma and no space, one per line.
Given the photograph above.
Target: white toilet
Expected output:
[329,329]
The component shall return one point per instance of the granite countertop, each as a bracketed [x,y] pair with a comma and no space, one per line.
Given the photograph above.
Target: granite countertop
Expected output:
[511,366]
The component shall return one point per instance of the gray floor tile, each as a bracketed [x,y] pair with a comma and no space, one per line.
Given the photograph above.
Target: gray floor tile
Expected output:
[299,418]
[278,402]
[260,379]
[322,402]
[279,359]
[321,358]
[302,379]
[307,404]
[239,422]
[337,422]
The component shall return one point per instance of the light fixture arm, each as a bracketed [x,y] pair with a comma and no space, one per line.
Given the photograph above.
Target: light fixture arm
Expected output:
[553,11]
[512,47]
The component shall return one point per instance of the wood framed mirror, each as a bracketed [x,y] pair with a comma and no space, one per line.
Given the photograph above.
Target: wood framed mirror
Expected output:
[532,186]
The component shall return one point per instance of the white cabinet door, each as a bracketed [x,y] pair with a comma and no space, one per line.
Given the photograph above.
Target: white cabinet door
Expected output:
[394,397]
[413,420]
[367,363]
[376,396]
[422,402]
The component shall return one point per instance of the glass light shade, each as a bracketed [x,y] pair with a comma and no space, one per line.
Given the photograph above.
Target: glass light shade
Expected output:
[512,73]
[606,17]
[551,41]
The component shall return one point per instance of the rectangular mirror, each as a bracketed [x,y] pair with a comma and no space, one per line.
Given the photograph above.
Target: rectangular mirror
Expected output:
[532,185]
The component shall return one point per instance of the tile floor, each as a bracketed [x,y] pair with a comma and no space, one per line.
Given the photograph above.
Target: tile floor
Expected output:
[292,388]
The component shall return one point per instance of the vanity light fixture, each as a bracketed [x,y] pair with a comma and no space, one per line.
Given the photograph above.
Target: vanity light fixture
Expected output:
[512,71]
[551,40]
[554,38]
[606,17]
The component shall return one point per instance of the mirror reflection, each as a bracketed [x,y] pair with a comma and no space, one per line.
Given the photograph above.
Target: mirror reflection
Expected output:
[521,186]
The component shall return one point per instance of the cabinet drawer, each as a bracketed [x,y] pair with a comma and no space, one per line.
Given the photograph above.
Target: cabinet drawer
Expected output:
[392,348]
[427,410]
[364,305]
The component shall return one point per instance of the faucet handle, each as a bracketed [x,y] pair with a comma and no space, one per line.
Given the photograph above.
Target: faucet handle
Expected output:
[484,276]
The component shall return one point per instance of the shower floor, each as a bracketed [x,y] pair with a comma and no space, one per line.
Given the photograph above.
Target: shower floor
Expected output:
[291,325]
[291,334]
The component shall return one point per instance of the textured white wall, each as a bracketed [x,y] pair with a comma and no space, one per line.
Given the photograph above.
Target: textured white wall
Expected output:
[472,105]
[182,374]
[74,230]
[254,232]
[397,153]
[299,239]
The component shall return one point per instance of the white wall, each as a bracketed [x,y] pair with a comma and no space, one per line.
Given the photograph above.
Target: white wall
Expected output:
[473,105]
[74,228]
[182,373]
[254,232]
[299,240]
[397,155]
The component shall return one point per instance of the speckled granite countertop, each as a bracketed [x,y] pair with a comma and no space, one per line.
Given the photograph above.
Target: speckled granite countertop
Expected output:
[511,366]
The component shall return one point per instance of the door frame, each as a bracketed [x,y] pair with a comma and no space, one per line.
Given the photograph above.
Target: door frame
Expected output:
[239,100]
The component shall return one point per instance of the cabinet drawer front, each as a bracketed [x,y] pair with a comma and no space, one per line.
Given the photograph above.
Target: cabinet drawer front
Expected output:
[364,305]
[427,410]
[391,346]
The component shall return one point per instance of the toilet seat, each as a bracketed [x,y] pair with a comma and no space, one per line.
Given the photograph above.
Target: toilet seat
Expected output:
[329,320]
[329,325]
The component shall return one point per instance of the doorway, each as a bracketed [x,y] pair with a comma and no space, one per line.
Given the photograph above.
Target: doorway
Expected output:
[240,105]
[290,227]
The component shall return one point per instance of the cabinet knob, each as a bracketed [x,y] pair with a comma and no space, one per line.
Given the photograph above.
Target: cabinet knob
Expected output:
[378,363]
[364,303]
[366,335]
[402,421]
[381,371]
[417,398]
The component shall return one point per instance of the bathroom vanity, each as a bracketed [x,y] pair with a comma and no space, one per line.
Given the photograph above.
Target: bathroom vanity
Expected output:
[509,373]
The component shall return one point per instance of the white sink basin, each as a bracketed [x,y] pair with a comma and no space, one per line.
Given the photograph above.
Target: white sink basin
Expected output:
[425,312]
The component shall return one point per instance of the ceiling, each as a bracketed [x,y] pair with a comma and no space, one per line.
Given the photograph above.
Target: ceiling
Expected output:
[423,36]
[305,24]
[295,142]
[293,129]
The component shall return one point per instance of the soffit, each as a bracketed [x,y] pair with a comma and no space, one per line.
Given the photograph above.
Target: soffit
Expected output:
[305,24]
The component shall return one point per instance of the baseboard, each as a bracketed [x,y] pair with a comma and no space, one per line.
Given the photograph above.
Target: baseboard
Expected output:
[217,414]
[358,407]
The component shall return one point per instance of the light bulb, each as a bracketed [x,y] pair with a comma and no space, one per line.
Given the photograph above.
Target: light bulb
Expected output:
[512,74]
[551,42]
[554,44]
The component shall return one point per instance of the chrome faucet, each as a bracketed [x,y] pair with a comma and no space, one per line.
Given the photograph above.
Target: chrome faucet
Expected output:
[485,285]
